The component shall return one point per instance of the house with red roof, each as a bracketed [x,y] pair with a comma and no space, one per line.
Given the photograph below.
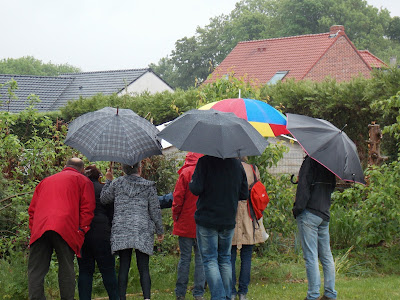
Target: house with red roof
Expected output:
[302,57]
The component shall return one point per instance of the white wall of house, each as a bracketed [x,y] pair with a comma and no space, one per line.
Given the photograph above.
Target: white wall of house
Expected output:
[147,82]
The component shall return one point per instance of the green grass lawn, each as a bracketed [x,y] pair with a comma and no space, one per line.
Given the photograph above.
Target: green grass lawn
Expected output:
[371,273]
[271,280]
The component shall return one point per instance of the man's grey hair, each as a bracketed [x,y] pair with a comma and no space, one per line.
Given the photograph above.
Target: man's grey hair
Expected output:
[129,170]
[75,163]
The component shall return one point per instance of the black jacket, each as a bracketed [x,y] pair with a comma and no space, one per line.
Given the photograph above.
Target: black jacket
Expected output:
[220,184]
[314,189]
[100,227]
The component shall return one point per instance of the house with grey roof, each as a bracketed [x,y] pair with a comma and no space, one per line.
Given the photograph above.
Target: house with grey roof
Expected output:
[55,92]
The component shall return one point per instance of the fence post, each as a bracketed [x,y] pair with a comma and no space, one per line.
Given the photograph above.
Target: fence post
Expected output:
[374,149]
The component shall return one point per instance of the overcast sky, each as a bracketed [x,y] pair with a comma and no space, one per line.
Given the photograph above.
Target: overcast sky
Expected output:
[97,35]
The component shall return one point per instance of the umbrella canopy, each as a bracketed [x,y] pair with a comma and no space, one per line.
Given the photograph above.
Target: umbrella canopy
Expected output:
[328,145]
[214,133]
[268,121]
[112,134]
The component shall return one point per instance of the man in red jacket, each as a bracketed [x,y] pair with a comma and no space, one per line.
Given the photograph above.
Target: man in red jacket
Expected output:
[60,214]
[183,209]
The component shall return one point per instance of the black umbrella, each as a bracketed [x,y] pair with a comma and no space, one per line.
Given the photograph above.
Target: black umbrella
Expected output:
[214,133]
[112,134]
[328,145]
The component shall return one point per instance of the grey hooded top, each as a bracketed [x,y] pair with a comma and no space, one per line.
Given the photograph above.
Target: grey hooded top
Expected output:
[137,213]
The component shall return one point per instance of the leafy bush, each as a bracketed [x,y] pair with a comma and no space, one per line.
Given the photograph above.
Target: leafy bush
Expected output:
[159,108]
[13,276]
[368,215]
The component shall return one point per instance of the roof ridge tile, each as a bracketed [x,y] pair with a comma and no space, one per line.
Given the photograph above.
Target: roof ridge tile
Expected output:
[34,76]
[107,71]
[286,37]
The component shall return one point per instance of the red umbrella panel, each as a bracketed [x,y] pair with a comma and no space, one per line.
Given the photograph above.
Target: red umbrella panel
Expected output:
[268,121]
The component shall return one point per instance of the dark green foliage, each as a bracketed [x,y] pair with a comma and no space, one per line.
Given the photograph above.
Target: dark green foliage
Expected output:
[13,276]
[29,65]
[159,108]
[341,103]
[393,30]
[224,88]
[368,215]
[161,170]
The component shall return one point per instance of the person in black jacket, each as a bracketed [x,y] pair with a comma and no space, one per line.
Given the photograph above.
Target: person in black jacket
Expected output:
[311,210]
[220,184]
[97,246]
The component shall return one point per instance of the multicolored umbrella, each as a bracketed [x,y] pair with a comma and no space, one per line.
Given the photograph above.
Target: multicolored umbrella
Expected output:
[268,121]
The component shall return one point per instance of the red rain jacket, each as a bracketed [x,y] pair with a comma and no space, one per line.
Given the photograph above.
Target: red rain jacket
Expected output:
[64,203]
[184,203]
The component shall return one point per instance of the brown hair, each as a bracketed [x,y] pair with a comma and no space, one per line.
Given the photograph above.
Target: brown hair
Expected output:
[92,172]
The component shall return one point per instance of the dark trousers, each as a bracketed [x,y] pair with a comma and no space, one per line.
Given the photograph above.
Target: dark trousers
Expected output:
[99,250]
[142,262]
[245,269]
[39,263]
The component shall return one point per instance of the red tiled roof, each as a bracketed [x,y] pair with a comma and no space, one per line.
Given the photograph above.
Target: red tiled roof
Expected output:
[259,60]
[371,59]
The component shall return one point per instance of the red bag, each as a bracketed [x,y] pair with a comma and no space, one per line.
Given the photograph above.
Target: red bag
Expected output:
[258,198]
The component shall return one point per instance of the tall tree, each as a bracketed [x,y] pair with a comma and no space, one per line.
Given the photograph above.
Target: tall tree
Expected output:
[393,32]
[195,57]
[28,65]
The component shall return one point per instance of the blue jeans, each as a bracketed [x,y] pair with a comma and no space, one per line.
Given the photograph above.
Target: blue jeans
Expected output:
[245,268]
[314,237]
[215,250]
[99,250]
[186,245]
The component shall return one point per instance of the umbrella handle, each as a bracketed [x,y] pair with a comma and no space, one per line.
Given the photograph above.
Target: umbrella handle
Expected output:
[111,167]
[291,180]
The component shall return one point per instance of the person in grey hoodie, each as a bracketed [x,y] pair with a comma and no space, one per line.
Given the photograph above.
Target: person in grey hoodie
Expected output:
[137,217]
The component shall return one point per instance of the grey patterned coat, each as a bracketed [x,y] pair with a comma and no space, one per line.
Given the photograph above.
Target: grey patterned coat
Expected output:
[137,213]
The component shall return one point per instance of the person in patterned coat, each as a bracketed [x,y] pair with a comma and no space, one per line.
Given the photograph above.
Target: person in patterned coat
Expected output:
[137,217]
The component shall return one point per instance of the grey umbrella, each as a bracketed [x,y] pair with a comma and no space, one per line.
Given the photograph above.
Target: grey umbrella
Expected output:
[214,133]
[112,134]
[328,145]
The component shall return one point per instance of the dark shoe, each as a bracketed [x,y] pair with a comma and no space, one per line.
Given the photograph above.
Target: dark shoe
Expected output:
[326,298]
[180,297]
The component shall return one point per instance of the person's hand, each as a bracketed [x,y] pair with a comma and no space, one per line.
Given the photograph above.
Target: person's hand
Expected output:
[160,238]
[109,174]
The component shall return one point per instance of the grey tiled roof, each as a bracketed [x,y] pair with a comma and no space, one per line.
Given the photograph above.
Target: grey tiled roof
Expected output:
[88,84]
[48,89]
[55,92]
